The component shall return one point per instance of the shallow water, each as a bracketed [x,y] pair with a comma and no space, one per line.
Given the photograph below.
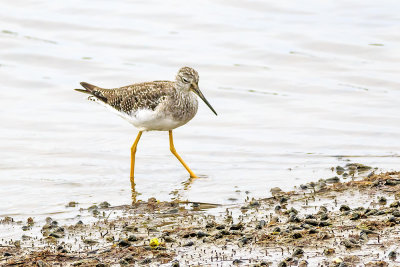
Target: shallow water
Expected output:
[299,87]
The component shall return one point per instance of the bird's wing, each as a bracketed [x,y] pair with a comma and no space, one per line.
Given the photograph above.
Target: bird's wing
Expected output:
[132,97]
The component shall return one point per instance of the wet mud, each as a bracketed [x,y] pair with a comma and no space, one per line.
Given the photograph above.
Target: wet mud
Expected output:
[351,219]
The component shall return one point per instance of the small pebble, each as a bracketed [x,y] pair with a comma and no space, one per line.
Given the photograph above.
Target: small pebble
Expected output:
[392,255]
[322,209]
[254,204]
[276,230]
[237,261]
[333,180]
[210,224]
[297,236]
[382,200]
[363,236]
[371,212]
[329,251]
[312,231]
[93,207]
[355,216]
[344,208]
[293,218]
[275,190]
[169,239]
[55,235]
[172,211]
[132,238]
[274,219]
[201,234]
[90,242]
[261,224]
[350,243]
[244,240]
[324,216]
[303,186]
[189,244]
[220,227]
[392,182]
[238,226]
[104,205]
[41,263]
[72,204]
[283,200]
[297,252]
[303,263]
[324,223]
[146,261]
[396,213]
[293,210]
[311,222]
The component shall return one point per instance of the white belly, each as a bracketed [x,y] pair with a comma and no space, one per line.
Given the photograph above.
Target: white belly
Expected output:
[150,120]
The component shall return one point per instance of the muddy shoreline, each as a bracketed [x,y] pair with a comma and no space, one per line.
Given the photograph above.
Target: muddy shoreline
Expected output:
[351,219]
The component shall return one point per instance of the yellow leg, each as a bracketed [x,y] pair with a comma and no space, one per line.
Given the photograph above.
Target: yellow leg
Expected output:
[133,152]
[173,150]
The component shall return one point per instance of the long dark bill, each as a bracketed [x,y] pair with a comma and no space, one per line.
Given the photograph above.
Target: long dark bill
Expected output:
[200,94]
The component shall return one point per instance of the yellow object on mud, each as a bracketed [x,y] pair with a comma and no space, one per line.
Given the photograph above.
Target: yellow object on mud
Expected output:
[154,243]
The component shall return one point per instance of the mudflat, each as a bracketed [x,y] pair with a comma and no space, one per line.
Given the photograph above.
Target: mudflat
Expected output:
[339,221]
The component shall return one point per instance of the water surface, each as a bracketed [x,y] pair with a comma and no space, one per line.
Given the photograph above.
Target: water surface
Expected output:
[299,87]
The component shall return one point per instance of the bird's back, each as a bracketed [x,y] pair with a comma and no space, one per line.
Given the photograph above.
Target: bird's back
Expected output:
[128,99]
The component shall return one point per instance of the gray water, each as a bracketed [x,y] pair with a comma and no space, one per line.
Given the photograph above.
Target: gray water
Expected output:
[299,87]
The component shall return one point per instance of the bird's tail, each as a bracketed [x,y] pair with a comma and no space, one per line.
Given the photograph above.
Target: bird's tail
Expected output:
[89,88]
[92,90]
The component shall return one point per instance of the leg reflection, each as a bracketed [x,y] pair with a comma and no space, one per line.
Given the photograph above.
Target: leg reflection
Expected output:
[134,193]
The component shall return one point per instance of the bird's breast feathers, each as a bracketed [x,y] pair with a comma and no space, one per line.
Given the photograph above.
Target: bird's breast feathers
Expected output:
[151,120]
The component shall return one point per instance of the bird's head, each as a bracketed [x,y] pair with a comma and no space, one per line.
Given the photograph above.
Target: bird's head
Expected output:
[188,79]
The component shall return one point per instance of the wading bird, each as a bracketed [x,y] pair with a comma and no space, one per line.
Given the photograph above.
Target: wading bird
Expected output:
[153,106]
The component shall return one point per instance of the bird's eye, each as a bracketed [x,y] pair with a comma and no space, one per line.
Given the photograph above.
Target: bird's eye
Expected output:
[185,80]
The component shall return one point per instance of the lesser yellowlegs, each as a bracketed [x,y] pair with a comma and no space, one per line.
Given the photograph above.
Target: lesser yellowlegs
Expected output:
[153,106]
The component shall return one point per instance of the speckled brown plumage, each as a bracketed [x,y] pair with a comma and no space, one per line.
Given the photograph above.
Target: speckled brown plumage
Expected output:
[158,105]
[132,97]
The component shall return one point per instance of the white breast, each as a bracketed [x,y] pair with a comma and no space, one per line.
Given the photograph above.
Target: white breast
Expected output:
[151,120]
[160,119]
